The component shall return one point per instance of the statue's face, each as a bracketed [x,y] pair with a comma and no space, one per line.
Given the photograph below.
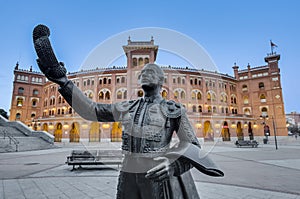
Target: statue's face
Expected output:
[149,77]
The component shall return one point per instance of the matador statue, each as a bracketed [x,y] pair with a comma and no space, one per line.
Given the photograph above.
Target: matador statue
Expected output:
[151,168]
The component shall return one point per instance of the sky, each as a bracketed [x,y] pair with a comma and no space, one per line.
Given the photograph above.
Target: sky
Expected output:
[230,31]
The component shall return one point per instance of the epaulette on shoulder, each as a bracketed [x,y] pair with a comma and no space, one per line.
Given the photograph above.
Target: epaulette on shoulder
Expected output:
[126,105]
[171,109]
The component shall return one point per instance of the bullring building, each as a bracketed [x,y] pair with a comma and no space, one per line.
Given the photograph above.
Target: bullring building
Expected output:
[220,107]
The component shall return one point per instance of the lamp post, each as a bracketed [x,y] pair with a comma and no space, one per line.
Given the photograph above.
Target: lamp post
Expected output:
[267,129]
[35,123]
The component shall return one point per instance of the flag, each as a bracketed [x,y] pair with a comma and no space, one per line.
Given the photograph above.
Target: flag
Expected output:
[273,45]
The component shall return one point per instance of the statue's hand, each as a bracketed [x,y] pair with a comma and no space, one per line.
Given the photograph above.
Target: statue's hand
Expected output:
[54,74]
[163,171]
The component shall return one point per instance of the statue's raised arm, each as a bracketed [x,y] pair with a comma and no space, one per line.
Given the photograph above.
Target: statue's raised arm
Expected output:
[55,71]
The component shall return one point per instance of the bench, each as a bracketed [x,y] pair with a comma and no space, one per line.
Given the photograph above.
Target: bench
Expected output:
[94,157]
[252,143]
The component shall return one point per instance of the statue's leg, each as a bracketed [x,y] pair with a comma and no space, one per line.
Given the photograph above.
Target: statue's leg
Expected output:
[127,186]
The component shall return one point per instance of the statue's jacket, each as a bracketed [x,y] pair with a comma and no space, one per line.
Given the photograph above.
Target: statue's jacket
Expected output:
[149,135]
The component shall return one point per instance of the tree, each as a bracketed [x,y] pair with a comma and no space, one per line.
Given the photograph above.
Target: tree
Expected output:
[3,113]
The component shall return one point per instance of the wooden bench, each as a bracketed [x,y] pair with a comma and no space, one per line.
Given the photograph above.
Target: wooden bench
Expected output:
[94,157]
[252,143]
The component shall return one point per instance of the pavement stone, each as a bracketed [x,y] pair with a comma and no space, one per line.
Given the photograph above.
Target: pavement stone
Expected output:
[52,179]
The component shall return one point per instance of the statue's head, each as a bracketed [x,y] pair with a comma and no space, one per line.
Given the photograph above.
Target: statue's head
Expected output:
[152,75]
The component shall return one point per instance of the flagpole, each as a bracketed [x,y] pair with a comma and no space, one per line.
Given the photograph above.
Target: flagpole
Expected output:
[271,47]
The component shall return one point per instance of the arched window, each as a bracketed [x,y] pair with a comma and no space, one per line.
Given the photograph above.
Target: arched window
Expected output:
[200,109]
[32,115]
[59,99]
[88,82]
[18,116]
[122,80]
[222,110]
[101,95]
[213,97]
[176,94]
[107,95]
[35,92]
[109,81]
[178,80]
[70,111]
[247,111]
[264,111]
[182,95]
[261,85]
[146,60]
[199,96]
[194,108]
[104,81]
[209,109]
[262,98]
[118,80]
[119,95]
[58,111]
[125,94]
[134,62]
[191,81]
[214,109]
[246,100]
[193,95]
[100,81]
[34,102]
[141,61]
[244,88]
[19,101]
[91,95]
[183,80]
[164,94]
[208,97]
[20,90]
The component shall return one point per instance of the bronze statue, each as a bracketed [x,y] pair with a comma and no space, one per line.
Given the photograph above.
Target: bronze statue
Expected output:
[151,168]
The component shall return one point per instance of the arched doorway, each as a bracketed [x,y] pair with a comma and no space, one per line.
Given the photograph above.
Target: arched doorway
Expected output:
[116,132]
[239,131]
[208,132]
[225,132]
[45,127]
[58,132]
[74,132]
[95,132]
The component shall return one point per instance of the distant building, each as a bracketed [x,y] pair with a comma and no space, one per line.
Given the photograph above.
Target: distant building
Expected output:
[220,107]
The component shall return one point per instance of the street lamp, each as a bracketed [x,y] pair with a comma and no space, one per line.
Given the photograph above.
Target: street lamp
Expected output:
[267,129]
[35,124]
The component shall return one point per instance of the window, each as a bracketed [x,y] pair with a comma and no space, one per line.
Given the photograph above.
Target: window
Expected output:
[70,110]
[34,102]
[209,109]
[261,85]
[214,109]
[182,95]
[164,94]
[19,101]
[263,98]
[247,111]
[101,95]
[35,92]
[134,62]
[194,108]
[176,94]
[146,60]
[244,88]
[125,95]
[141,61]
[200,109]
[208,97]
[107,95]
[59,99]
[119,95]
[199,96]
[18,116]
[123,80]
[20,90]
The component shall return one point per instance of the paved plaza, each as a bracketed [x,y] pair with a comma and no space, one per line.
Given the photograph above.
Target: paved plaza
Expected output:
[261,172]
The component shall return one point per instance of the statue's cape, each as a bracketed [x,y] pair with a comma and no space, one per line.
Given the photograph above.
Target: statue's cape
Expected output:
[197,157]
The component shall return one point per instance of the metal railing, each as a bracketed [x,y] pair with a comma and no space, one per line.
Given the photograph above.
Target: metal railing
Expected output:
[11,139]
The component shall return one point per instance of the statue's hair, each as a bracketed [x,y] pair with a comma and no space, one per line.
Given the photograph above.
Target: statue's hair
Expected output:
[158,70]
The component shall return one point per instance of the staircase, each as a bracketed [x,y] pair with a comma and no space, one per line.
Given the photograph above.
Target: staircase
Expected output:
[15,136]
